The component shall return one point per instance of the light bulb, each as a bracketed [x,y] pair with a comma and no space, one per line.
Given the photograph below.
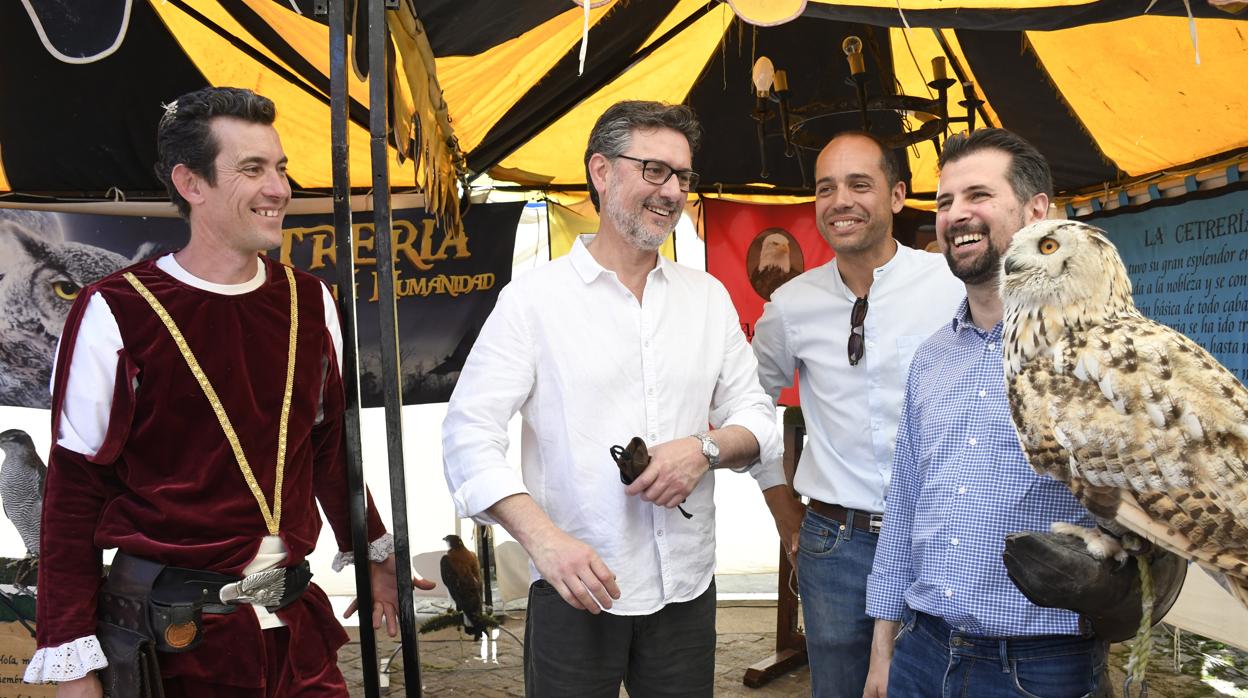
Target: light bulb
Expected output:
[764,75]
[852,46]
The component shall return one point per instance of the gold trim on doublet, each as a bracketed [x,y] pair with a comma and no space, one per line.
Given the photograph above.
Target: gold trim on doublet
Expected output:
[273,518]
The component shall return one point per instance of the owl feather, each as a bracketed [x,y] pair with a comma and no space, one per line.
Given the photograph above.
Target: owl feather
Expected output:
[1148,430]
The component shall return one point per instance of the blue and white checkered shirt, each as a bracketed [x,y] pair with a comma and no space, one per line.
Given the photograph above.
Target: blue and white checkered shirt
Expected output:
[960,484]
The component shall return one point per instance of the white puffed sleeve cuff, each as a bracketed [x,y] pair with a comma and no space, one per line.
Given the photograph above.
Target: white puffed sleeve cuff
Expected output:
[72,660]
[378,551]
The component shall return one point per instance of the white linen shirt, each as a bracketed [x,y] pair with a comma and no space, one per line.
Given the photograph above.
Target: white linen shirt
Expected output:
[851,412]
[588,367]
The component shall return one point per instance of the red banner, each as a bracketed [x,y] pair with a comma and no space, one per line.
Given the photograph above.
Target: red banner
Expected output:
[754,248]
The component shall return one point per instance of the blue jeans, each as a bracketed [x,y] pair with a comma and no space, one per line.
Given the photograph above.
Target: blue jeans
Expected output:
[932,659]
[832,567]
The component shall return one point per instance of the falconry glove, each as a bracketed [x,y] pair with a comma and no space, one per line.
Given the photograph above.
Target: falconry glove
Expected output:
[1056,571]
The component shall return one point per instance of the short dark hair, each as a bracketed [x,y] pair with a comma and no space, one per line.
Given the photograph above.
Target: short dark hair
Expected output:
[184,136]
[888,157]
[1028,172]
[613,132]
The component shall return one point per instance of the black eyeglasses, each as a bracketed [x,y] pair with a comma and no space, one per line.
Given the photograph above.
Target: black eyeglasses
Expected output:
[657,172]
[857,334]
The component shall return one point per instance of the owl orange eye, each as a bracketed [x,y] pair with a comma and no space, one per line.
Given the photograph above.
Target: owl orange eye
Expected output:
[66,290]
[1049,246]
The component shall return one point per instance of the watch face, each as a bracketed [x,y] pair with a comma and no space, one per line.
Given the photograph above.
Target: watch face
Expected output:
[710,449]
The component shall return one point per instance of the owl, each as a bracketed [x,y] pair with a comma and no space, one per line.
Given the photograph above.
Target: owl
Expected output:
[40,276]
[1147,429]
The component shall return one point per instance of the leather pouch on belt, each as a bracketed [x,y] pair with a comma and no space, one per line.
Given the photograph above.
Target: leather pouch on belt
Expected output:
[132,670]
[176,627]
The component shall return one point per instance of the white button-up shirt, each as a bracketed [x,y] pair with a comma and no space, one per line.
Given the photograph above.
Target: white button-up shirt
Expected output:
[588,367]
[851,412]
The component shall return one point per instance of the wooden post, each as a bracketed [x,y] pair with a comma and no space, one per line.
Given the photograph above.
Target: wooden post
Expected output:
[790,640]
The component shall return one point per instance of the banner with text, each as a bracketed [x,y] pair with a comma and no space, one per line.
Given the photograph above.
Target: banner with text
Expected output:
[754,248]
[445,285]
[1188,263]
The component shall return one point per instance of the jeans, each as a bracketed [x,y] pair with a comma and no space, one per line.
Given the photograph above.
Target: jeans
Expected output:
[833,562]
[573,653]
[932,659]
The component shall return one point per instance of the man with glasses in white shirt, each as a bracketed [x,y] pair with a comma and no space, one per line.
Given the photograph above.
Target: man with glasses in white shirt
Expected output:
[609,343]
[849,329]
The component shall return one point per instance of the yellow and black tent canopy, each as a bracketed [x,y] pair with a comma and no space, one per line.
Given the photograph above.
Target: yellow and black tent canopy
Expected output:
[1110,90]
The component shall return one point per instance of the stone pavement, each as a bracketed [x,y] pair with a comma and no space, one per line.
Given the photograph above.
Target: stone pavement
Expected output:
[451,667]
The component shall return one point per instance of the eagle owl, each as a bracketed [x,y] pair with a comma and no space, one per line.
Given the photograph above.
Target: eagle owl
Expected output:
[1148,430]
[40,275]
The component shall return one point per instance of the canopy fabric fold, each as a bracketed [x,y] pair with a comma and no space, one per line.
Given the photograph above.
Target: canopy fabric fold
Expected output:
[1109,92]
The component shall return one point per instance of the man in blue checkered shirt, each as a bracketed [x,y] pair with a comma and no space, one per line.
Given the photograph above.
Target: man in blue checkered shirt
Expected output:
[948,619]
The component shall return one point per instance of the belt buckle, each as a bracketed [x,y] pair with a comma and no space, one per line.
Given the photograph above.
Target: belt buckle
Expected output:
[877,523]
[264,588]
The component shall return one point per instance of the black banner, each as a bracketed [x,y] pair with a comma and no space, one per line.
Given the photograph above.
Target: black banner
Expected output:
[446,286]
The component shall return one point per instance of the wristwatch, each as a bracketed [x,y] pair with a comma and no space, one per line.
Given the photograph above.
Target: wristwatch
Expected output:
[710,449]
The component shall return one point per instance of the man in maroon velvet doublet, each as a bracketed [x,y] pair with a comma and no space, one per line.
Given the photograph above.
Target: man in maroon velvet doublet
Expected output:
[219,471]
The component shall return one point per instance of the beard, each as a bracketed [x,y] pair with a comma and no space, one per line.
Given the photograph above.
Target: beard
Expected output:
[632,224]
[981,269]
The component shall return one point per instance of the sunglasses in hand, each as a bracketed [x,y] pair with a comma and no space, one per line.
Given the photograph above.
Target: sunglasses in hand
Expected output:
[632,461]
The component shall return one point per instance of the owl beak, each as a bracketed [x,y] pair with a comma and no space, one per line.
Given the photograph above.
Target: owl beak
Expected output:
[1011,266]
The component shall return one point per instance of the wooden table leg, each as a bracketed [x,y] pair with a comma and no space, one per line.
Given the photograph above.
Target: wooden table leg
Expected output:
[790,642]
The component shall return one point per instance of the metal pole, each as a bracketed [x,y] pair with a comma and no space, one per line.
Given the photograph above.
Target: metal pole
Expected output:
[344,266]
[485,555]
[378,111]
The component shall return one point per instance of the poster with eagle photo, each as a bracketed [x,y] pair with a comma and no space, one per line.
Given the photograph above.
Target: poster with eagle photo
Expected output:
[754,248]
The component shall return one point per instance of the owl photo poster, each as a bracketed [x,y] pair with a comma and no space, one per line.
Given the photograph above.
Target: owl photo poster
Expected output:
[446,286]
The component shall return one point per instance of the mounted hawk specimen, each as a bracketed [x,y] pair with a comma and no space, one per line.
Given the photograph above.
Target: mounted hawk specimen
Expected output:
[21,486]
[22,477]
[461,573]
[1149,431]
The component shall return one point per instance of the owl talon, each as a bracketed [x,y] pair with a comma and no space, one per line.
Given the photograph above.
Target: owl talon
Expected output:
[1135,545]
[1100,544]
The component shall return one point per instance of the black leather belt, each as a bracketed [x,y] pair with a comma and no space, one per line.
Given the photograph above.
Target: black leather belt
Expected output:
[861,520]
[219,593]
[146,608]
[213,591]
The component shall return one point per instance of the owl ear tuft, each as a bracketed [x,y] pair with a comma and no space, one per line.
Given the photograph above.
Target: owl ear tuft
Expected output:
[16,239]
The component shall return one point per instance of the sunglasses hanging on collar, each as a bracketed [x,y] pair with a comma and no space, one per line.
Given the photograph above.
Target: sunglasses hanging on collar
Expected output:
[857,333]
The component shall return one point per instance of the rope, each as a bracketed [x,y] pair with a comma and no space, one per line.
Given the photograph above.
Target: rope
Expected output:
[1137,659]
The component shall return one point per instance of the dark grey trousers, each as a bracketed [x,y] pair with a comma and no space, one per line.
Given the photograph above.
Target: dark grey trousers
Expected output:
[573,653]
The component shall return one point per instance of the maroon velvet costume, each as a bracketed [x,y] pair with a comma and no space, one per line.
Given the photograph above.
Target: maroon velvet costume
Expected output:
[165,484]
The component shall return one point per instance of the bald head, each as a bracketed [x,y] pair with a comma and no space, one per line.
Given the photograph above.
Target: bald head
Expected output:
[889,165]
